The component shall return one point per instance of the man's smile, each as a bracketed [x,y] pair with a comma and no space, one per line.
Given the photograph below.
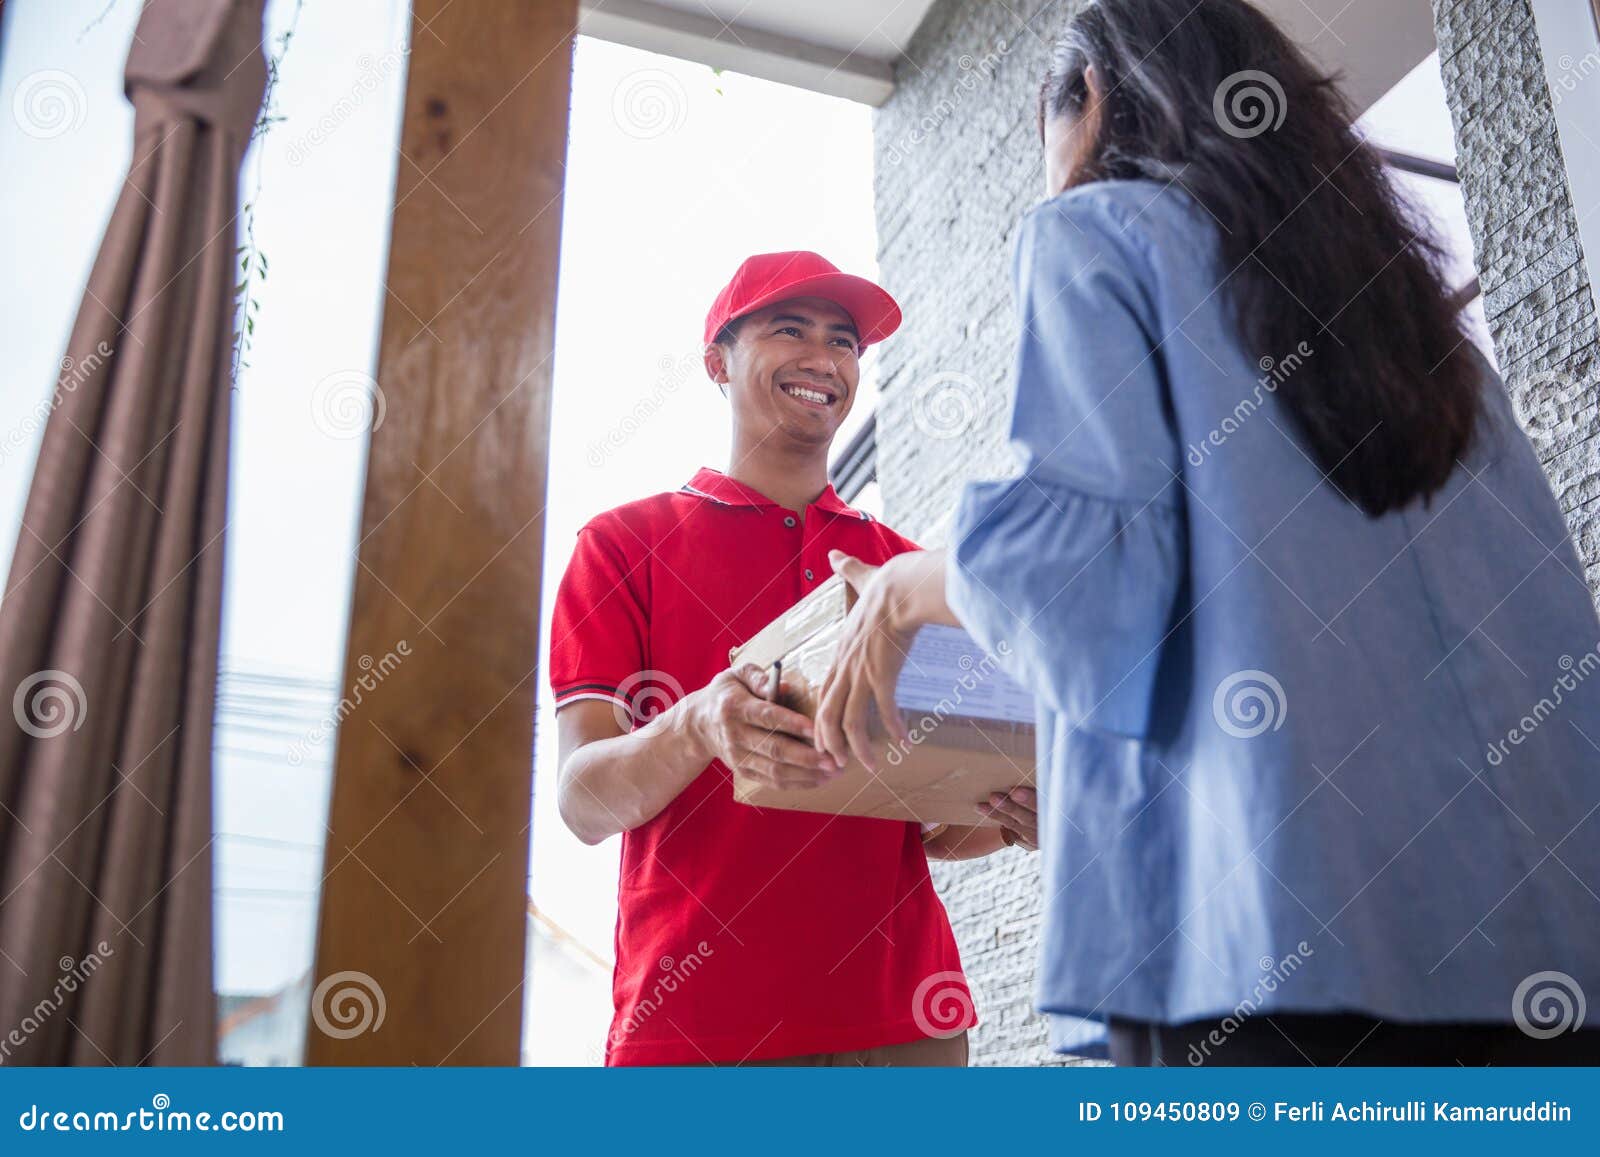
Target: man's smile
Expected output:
[822,397]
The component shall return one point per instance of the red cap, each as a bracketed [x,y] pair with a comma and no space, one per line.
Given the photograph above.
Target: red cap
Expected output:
[768,278]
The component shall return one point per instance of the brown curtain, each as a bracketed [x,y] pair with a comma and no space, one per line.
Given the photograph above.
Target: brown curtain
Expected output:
[110,621]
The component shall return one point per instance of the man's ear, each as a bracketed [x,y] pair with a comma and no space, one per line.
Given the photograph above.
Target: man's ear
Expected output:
[717,366]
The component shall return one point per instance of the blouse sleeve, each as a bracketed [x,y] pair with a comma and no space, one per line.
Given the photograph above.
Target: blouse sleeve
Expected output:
[1075,564]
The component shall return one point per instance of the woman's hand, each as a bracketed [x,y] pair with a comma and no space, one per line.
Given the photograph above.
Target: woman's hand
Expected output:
[1017,811]
[867,664]
[892,602]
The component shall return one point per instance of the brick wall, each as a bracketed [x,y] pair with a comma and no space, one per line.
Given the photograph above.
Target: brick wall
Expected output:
[1525,235]
[958,164]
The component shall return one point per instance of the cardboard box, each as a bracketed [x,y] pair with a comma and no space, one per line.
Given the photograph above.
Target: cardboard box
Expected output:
[971,726]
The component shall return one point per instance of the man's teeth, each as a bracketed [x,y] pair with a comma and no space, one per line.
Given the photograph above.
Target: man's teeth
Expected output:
[802,392]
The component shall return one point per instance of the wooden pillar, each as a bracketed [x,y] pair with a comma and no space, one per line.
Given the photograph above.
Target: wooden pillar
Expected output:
[423,915]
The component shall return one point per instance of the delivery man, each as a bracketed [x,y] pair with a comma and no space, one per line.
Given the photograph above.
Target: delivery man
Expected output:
[749,935]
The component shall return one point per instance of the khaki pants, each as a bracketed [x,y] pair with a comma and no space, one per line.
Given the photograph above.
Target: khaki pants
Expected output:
[930,1052]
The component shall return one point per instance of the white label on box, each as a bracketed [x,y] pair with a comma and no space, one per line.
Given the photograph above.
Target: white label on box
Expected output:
[949,673]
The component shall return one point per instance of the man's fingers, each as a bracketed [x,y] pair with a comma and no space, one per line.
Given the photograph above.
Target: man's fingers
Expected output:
[784,776]
[765,716]
[786,750]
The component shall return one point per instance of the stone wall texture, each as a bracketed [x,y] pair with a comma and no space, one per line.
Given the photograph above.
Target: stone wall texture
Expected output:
[1537,296]
[957,164]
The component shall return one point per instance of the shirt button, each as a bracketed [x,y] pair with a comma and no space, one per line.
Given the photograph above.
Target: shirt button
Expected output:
[809,575]
[789,521]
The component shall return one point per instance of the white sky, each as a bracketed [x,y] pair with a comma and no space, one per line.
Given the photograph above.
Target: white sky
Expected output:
[670,182]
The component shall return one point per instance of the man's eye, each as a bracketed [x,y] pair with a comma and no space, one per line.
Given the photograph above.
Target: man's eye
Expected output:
[789,329]
[845,343]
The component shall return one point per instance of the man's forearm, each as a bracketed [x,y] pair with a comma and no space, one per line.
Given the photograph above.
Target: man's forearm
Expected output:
[613,785]
[958,842]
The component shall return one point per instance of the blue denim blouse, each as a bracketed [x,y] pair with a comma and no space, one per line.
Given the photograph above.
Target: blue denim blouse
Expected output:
[1291,758]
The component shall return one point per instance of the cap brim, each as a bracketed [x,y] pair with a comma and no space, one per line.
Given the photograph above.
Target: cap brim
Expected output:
[876,314]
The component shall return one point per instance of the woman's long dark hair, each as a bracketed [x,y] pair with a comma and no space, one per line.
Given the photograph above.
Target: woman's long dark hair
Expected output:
[1318,245]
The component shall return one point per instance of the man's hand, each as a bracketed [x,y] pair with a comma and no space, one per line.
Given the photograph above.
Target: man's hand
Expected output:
[771,744]
[613,780]
[1017,811]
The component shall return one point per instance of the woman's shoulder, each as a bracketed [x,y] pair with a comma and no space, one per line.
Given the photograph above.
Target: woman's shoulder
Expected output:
[1141,219]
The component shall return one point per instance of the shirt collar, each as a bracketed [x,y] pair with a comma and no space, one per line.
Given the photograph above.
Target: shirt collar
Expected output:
[718,487]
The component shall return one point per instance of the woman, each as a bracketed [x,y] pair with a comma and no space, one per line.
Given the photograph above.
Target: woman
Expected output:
[1317,767]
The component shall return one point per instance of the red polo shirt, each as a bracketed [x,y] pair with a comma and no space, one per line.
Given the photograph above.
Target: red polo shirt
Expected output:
[743,933]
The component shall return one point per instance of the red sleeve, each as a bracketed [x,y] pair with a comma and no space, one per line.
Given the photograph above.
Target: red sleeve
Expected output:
[598,628]
[890,543]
